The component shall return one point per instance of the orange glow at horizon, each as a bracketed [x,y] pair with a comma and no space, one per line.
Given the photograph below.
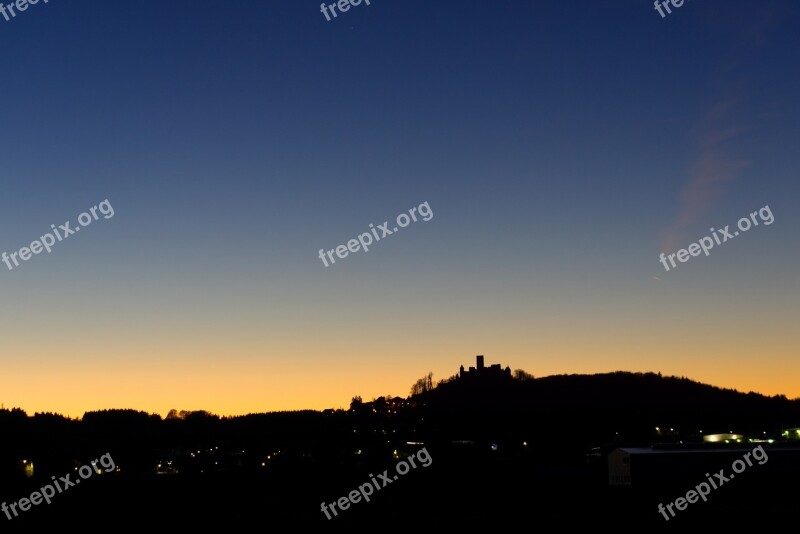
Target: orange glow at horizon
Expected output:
[253,385]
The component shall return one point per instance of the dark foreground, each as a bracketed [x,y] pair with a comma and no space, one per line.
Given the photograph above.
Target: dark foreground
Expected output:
[476,491]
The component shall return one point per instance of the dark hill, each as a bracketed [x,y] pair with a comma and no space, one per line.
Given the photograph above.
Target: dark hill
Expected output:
[601,408]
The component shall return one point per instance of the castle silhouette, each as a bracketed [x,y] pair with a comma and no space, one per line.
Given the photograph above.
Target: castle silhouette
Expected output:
[482,372]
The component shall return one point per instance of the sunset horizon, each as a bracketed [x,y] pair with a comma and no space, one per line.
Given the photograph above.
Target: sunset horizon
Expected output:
[294,211]
[368,392]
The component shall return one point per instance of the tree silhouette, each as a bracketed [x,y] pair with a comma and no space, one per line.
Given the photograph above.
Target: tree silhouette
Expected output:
[422,385]
[520,374]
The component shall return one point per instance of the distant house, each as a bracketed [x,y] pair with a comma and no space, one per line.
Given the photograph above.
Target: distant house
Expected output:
[650,466]
[27,467]
[726,438]
[791,433]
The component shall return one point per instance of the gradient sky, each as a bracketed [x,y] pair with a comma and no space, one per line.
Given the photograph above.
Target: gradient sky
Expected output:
[562,146]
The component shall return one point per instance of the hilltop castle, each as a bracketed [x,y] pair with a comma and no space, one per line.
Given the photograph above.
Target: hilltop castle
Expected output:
[481,371]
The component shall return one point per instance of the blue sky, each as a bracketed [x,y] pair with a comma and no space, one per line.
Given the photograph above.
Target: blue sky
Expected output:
[562,146]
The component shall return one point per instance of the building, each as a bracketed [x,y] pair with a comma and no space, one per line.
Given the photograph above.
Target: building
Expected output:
[481,371]
[675,464]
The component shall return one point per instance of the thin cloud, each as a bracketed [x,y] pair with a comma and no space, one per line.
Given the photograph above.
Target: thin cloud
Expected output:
[713,168]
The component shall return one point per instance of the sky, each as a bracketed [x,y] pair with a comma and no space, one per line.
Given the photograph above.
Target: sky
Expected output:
[561,147]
